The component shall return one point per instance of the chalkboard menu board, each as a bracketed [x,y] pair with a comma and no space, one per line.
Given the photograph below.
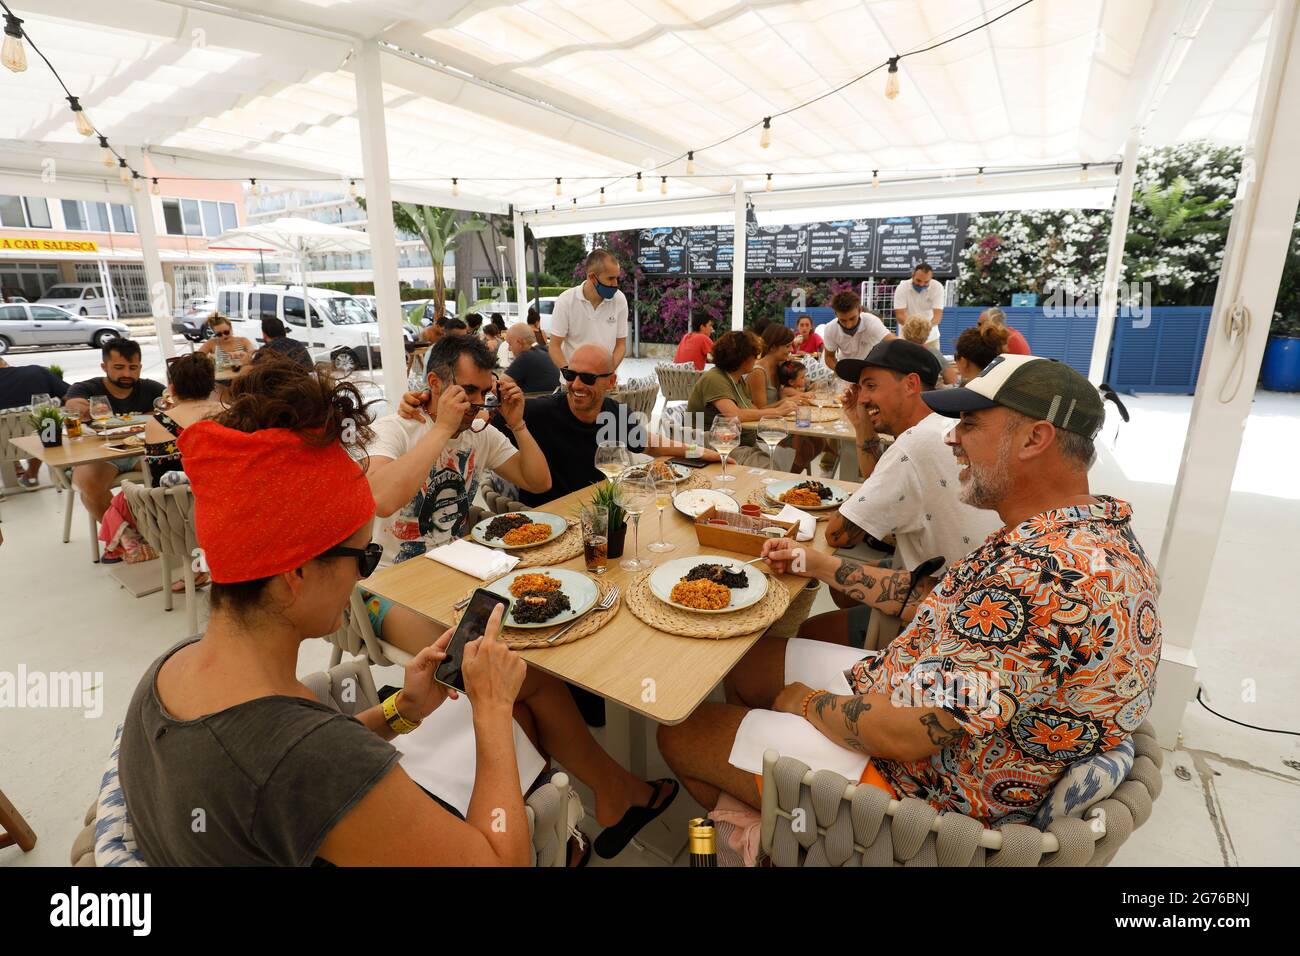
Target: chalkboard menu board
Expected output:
[842,248]
[904,241]
[862,247]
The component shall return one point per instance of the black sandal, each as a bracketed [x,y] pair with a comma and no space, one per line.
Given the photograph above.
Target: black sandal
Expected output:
[614,840]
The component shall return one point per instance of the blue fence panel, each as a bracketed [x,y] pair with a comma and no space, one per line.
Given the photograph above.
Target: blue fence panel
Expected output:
[1066,338]
[1162,356]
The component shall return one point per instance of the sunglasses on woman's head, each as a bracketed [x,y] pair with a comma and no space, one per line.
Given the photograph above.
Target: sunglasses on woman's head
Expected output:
[588,378]
[367,557]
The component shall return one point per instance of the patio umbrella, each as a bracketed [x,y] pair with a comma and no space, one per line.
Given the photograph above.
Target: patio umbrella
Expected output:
[298,238]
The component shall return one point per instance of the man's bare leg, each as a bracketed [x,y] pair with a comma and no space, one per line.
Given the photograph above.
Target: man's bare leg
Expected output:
[831,627]
[760,675]
[93,482]
[697,751]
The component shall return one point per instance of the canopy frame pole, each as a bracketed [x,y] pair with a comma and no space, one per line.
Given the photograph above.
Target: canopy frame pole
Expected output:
[1108,304]
[379,217]
[146,227]
[738,260]
[106,285]
[521,263]
[1250,277]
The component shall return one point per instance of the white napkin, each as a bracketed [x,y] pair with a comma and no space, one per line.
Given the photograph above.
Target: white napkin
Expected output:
[807,523]
[483,563]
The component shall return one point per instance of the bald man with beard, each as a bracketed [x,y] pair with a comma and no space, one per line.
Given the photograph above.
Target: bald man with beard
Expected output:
[531,367]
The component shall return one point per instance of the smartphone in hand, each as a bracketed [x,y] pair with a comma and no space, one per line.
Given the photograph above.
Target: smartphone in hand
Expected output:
[471,627]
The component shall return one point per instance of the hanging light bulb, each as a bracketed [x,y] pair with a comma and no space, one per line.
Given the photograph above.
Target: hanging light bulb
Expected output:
[891,79]
[875,179]
[602,195]
[352,188]
[154,188]
[14,54]
[765,138]
[640,183]
[83,121]
[575,204]
[768,187]
[136,181]
[1083,173]
[979,176]
[455,187]
[257,190]
[105,154]
[690,163]
[558,191]
[1117,165]
[123,172]
[663,185]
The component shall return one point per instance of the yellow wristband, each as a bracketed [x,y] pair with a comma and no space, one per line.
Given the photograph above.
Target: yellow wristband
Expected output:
[394,718]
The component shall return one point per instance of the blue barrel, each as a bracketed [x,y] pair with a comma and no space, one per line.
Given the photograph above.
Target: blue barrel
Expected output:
[1281,369]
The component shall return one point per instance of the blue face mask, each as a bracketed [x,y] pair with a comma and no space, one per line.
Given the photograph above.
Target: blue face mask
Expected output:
[605,291]
[920,288]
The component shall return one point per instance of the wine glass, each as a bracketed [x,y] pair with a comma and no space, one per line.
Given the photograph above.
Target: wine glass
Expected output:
[638,494]
[100,408]
[612,459]
[664,489]
[771,433]
[40,400]
[725,437]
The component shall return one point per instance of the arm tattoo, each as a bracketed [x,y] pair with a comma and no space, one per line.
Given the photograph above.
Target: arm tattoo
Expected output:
[872,447]
[881,588]
[853,743]
[854,708]
[823,701]
[939,735]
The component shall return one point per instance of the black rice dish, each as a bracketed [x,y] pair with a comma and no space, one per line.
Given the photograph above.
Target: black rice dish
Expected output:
[538,606]
[817,488]
[718,573]
[498,527]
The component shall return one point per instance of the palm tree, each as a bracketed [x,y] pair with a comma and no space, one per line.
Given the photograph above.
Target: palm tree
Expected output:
[440,232]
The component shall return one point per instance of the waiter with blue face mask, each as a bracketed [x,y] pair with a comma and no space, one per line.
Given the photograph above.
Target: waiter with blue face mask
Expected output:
[594,313]
[923,296]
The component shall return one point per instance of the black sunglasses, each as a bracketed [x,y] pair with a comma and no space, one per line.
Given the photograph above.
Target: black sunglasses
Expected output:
[588,378]
[225,333]
[367,557]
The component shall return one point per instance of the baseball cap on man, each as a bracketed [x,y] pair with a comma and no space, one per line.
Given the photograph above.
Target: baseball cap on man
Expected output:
[1044,389]
[899,355]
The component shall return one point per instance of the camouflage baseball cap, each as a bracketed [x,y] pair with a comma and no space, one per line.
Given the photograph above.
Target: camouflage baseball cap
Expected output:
[1044,389]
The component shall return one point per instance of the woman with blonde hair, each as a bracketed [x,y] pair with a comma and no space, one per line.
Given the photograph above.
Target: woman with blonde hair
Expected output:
[1017,344]
[237,349]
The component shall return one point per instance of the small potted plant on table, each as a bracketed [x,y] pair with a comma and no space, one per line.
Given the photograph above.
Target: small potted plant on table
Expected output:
[48,422]
[607,496]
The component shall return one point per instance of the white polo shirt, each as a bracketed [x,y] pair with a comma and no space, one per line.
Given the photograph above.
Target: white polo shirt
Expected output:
[914,493]
[580,323]
[856,345]
[921,304]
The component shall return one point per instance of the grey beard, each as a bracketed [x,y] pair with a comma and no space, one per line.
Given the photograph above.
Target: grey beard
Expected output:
[987,487]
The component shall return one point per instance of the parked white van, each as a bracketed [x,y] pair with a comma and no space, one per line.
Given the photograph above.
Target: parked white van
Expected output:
[341,326]
[79,298]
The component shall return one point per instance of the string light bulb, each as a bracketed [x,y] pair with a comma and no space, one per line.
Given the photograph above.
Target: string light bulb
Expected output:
[640,183]
[891,80]
[455,187]
[83,121]
[690,163]
[767,188]
[257,190]
[14,53]
[123,172]
[575,204]
[663,185]
[1117,165]
[765,138]
[558,191]
[154,189]
[352,188]
[136,181]
[1083,173]
[105,154]
[602,195]
[875,179]
[979,176]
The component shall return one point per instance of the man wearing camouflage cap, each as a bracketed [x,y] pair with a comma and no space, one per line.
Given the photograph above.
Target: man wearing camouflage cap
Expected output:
[1038,651]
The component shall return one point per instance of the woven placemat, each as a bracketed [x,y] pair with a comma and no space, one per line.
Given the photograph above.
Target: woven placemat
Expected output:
[664,617]
[759,497]
[567,545]
[818,415]
[696,479]
[522,638]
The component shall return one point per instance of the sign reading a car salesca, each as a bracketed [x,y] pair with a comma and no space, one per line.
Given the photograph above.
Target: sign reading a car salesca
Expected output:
[48,245]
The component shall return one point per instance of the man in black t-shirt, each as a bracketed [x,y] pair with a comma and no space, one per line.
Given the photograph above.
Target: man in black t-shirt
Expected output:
[127,393]
[277,340]
[17,386]
[532,369]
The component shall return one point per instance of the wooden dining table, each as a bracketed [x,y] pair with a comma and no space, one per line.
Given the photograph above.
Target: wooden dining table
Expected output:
[74,451]
[649,673]
[848,470]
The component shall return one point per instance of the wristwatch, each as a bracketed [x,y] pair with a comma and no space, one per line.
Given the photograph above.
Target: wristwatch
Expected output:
[872,447]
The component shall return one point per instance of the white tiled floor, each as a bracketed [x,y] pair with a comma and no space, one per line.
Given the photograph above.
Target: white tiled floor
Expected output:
[1237,805]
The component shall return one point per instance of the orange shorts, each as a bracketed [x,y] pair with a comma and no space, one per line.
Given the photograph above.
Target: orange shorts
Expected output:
[870,776]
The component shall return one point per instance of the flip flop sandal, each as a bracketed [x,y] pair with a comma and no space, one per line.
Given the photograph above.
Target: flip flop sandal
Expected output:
[583,858]
[613,840]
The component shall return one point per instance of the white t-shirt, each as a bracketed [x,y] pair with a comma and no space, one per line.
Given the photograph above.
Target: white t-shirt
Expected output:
[857,344]
[914,494]
[580,323]
[439,511]
[921,304]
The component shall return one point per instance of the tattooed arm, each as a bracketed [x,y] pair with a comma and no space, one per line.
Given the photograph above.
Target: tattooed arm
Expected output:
[872,724]
[882,588]
[841,532]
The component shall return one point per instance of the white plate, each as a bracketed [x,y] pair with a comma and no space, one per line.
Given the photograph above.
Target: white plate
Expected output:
[696,502]
[579,587]
[557,525]
[669,573]
[776,489]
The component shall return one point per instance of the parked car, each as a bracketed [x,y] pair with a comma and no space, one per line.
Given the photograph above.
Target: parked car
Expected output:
[369,302]
[33,323]
[341,326]
[82,298]
[193,322]
[544,309]
[420,311]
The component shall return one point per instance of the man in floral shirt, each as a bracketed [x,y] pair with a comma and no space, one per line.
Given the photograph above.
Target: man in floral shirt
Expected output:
[1037,651]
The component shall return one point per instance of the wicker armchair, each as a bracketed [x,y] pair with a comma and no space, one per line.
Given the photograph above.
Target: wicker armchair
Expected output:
[165,519]
[676,381]
[639,396]
[350,689]
[14,423]
[857,825]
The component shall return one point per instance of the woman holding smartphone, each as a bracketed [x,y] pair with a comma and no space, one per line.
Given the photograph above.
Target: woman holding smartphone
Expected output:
[221,732]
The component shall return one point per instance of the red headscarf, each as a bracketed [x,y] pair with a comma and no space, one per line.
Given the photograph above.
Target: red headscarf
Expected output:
[266,502]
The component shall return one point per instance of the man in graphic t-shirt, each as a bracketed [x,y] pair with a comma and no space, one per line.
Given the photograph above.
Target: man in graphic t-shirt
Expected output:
[425,473]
